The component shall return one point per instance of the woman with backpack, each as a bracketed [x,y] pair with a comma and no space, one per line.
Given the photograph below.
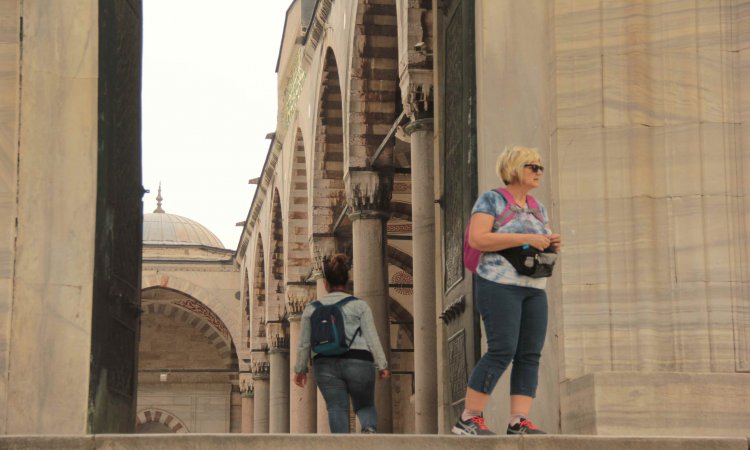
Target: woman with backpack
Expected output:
[513,307]
[340,331]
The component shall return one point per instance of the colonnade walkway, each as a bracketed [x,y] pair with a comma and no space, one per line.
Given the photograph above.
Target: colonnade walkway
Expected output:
[365,442]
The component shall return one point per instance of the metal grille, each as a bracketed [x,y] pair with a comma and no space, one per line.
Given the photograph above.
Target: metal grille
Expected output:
[454,142]
[457,367]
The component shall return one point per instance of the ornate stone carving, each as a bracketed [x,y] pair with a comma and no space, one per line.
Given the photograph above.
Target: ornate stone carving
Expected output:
[368,193]
[417,93]
[297,297]
[261,369]
[203,311]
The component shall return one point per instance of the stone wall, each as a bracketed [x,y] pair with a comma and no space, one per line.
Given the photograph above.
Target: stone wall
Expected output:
[53,200]
[9,79]
[637,108]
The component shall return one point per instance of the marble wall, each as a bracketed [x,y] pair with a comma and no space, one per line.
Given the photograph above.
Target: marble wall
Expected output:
[649,166]
[9,77]
[637,108]
[49,272]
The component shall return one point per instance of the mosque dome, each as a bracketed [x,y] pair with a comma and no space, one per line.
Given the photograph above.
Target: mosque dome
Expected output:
[160,228]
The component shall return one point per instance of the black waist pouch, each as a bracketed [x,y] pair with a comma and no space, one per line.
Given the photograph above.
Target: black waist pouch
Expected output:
[531,262]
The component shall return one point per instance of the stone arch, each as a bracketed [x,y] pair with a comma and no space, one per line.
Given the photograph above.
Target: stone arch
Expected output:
[374,95]
[196,315]
[275,305]
[247,303]
[298,251]
[192,290]
[153,415]
[328,154]
[258,325]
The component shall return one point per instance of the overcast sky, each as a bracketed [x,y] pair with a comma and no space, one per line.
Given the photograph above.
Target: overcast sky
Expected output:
[209,99]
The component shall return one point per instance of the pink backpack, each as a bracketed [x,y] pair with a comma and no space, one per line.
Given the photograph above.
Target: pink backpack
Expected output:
[472,255]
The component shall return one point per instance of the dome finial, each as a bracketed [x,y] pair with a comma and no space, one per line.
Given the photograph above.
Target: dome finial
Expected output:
[158,201]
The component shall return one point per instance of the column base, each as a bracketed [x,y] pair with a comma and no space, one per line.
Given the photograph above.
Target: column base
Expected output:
[656,403]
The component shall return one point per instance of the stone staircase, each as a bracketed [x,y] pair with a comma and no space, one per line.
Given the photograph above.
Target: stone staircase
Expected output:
[365,442]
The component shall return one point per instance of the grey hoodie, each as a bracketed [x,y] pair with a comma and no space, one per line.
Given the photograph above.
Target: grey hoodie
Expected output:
[357,314]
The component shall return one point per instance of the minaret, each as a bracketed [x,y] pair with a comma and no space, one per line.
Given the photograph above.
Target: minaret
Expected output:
[158,201]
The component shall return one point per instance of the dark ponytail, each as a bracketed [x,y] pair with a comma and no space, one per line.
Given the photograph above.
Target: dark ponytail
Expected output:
[336,270]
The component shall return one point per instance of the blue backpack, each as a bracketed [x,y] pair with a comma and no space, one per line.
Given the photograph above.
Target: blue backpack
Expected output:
[327,333]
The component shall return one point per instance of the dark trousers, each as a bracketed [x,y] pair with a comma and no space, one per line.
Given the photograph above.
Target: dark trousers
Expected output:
[515,322]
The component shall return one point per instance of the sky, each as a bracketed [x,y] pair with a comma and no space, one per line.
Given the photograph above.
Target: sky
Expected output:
[209,99]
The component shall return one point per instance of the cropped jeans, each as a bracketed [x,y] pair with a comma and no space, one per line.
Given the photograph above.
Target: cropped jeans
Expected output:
[515,322]
[338,378]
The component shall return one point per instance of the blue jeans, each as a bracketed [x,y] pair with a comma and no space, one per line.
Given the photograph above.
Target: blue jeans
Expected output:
[338,378]
[515,321]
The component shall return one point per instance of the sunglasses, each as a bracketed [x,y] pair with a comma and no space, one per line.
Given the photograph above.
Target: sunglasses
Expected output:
[535,167]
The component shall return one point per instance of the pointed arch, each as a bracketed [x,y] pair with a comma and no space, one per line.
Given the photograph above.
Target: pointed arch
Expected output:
[328,155]
[247,305]
[298,247]
[275,304]
[258,321]
[374,94]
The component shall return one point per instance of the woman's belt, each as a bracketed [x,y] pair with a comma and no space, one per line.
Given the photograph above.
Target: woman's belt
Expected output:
[354,353]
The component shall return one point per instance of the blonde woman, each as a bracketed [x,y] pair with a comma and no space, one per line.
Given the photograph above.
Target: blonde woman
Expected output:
[513,307]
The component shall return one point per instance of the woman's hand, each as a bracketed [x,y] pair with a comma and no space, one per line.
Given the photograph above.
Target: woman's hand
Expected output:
[384,374]
[555,240]
[300,379]
[538,241]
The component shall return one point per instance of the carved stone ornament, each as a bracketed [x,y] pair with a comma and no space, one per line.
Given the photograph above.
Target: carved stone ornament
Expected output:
[417,93]
[297,297]
[368,193]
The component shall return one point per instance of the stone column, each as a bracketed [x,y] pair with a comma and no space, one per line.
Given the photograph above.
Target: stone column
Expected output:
[278,419]
[368,195]
[248,400]
[261,392]
[423,248]
[302,401]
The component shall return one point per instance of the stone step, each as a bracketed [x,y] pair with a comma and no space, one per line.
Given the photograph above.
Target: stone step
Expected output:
[364,442]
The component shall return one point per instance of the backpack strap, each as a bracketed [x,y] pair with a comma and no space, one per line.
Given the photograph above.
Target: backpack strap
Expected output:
[316,304]
[343,302]
[509,213]
[534,208]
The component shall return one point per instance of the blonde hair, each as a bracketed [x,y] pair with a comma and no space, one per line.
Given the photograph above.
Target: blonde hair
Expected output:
[511,161]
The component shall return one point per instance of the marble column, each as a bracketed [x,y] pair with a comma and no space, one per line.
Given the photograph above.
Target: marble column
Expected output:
[261,400]
[423,247]
[278,418]
[302,401]
[248,400]
[368,195]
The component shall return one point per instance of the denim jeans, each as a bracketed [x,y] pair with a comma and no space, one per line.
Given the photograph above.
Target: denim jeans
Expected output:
[515,322]
[339,378]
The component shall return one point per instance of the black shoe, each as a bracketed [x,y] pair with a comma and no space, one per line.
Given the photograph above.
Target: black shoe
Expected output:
[474,426]
[524,427]
[369,430]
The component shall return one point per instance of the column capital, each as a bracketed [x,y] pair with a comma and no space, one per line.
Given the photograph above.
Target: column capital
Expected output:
[417,92]
[322,246]
[261,370]
[297,297]
[246,388]
[368,193]
[279,343]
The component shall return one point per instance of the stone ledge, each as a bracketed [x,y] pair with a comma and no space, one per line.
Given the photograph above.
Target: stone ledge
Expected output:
[362,442]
